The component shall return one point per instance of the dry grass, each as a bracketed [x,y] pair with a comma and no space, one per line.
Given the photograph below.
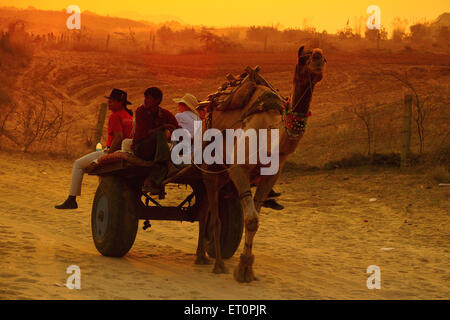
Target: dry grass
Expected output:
[81,79]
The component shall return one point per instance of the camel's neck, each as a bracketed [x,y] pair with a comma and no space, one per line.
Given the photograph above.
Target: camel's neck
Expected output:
[303,88]
[302,92]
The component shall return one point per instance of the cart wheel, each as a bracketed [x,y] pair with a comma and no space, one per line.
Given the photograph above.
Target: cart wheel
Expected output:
[232,219]
[113,221]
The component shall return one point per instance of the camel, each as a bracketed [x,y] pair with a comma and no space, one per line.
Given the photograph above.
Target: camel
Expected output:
[291,125]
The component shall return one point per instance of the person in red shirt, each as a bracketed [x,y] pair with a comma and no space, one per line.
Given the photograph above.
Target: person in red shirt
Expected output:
[120,126]
[154,126]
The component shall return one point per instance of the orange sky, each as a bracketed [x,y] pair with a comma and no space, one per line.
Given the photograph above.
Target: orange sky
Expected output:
[322,14]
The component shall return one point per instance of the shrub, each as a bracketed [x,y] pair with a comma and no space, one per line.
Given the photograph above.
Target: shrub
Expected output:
[440,174]
[359,160]
[16,44]
[391,159]
[290,167]
[354,160]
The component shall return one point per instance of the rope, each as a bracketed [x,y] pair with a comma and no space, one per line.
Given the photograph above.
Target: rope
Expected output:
[209,171]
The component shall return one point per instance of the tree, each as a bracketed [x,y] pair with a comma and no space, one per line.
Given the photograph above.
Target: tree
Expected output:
[347,33]
[374,34]
[38,122]
[262,33]
[187,34]
[215,43]
[165,34]
[399,29]
[443,34]
[420,31]
[366,116]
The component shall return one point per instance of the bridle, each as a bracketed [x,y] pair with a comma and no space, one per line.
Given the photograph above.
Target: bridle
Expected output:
[295,123]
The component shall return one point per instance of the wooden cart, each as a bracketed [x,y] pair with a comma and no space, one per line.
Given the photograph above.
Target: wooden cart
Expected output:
[120,203]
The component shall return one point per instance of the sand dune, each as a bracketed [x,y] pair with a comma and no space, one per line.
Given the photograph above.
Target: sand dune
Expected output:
[319,247]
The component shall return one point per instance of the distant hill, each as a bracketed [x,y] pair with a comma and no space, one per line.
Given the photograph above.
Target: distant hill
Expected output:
[42,21]
[154,18]
[443,20]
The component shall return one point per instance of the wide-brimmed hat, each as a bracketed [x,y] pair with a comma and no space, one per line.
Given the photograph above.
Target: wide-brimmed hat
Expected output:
[189,100]
[119,95]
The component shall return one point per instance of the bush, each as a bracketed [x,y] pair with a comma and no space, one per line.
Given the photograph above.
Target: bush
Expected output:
[420,31]
[290,167]
[16,45]
[441,155]
[392,159]
[354,160]
[440,174]
[359,160]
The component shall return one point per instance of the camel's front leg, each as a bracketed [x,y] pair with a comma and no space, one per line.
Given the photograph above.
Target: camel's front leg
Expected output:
[240,178]
[215,225]
[203,209]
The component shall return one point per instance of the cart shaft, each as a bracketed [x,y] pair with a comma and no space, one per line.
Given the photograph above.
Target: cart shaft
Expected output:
[167,213]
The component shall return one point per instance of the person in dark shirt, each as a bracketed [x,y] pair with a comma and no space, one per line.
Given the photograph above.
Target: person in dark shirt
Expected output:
[153,129]
[151,120]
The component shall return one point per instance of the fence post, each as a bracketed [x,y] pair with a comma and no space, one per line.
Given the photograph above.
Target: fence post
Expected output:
[378,39]
[406,134]
[100,123]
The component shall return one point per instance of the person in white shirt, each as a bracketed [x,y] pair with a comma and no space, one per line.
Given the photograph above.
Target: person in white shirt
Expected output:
[187,112]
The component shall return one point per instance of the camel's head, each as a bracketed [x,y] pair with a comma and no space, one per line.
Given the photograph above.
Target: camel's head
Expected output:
[308,72]
[311,65]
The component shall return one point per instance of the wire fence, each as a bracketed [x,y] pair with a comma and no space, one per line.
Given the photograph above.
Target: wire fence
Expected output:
[79,40]
[376,130]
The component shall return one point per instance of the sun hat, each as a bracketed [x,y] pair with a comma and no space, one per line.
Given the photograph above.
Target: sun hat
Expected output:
[119,95]
[190,101]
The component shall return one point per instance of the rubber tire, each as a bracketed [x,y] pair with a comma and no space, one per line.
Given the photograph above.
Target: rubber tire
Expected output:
[122,224]
[232,221]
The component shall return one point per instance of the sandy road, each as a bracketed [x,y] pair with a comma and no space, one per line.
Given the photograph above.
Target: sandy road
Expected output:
[317,248]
